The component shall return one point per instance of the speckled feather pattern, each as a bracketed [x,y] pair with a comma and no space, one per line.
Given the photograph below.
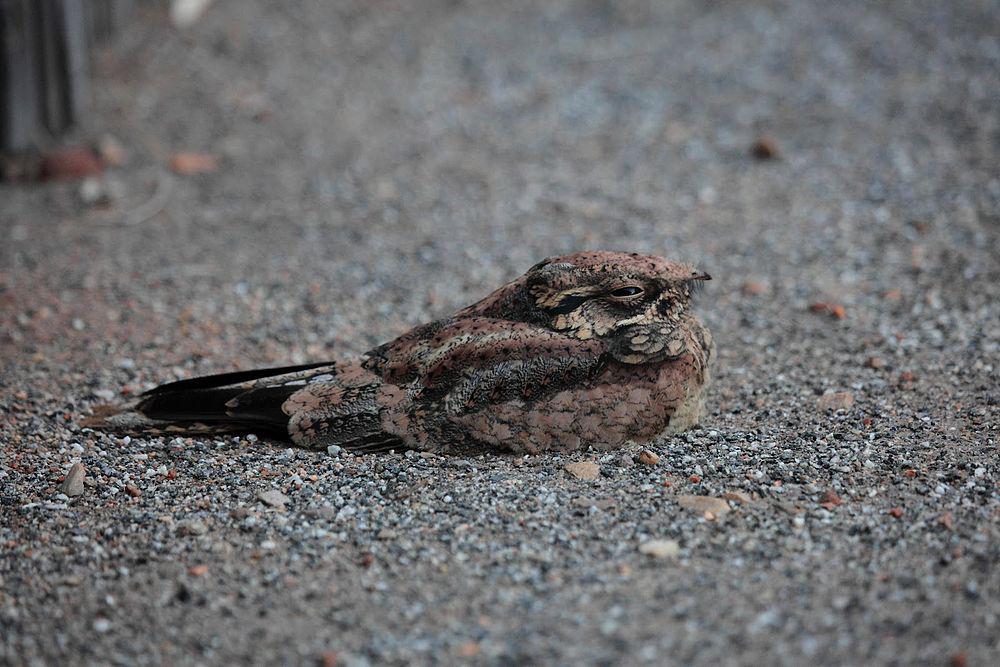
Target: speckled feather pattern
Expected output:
[588,349]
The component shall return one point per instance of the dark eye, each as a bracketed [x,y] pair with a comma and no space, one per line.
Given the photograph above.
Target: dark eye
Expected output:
[622,292]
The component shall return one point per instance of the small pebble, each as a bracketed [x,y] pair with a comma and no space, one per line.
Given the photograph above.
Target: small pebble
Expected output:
[192,527]
[72,486]
[274,498]
[583,469]
[660,548]
[647,457]
[765,148]
[717,506]
[836,400]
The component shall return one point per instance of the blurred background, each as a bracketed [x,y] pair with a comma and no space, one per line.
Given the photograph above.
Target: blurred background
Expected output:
[202,187]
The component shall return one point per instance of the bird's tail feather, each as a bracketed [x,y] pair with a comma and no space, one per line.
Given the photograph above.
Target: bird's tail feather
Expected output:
[207,404]
[254,401]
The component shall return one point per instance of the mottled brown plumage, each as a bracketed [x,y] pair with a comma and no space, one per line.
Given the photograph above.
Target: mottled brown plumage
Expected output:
[587,349]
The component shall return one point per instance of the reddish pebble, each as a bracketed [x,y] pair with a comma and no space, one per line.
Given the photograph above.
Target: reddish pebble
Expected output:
[875,362]
[836,400]
[832,309]
[70,164]
[468,650]
[133,490]
[198,570]
[911,473]
[831,498]
[694,479]
[896,512]
[648,458]
[187,164]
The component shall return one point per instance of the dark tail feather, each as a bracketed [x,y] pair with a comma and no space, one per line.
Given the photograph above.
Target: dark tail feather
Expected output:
[225,401]
[208,405]
[188,405]
[235,403]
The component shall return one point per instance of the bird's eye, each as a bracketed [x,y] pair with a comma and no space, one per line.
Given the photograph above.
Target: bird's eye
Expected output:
[623,292]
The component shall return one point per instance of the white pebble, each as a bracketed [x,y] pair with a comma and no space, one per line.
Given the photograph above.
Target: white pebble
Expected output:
[660,548]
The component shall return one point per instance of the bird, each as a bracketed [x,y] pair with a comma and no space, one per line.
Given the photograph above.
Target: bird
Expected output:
[588,349]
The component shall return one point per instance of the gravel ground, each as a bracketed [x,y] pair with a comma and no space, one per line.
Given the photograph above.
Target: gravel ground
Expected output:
[381,163]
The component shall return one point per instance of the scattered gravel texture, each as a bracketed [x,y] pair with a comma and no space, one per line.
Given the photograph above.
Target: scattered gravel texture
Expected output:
[832,165]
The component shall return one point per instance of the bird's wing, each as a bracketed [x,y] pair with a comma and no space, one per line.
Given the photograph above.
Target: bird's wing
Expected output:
[476,360]
[344,409]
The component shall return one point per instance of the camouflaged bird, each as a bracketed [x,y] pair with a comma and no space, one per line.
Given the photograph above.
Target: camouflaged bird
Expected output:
[587,349]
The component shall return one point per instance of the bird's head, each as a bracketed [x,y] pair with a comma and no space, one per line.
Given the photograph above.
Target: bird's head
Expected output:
[633,302]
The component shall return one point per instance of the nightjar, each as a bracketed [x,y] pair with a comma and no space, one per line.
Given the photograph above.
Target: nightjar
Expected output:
[587,349]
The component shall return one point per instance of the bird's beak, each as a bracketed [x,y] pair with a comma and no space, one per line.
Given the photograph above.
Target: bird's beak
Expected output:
[699,276]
